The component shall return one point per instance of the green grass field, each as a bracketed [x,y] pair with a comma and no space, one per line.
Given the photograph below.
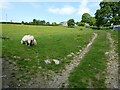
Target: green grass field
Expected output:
[56,42]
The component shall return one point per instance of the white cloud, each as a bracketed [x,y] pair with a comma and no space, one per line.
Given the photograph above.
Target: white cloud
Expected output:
[82,8]
[63,10]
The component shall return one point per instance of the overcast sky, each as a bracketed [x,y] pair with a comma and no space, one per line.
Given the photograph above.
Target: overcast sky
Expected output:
[18,11]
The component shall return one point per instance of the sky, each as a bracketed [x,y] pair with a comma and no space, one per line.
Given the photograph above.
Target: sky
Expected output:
[18,11]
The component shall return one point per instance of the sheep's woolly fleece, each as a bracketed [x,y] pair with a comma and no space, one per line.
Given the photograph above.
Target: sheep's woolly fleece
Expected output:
[28,39]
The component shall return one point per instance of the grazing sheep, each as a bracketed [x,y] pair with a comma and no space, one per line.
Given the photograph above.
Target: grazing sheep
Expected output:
[28,40]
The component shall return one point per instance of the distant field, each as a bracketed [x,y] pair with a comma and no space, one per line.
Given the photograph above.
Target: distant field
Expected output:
[54,42]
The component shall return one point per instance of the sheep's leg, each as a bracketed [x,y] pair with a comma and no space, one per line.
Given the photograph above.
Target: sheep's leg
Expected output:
[31,43]
[26,42]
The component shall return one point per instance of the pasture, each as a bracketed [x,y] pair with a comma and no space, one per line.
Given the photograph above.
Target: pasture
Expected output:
[56,42]
[53,43]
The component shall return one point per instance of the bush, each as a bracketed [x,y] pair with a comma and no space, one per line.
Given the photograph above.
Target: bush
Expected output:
[80,23]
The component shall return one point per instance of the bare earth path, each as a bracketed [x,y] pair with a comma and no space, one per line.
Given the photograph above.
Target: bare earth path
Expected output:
[61,78]
[112,65]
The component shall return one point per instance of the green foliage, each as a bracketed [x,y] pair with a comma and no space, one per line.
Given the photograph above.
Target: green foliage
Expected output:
[94,27]
[22,22]
[34,21]
[92,21]
[71,23]
[47,23]
[86,18]
[43,23]
[108,13]
[80,23]
[54,24]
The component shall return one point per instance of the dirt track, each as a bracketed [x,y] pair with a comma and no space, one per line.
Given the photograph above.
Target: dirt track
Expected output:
[112,65]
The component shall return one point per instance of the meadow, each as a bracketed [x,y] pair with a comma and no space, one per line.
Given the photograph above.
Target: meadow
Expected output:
[57,42]
[53,42]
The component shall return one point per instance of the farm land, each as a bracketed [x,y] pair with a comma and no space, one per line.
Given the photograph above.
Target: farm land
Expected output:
[86,51]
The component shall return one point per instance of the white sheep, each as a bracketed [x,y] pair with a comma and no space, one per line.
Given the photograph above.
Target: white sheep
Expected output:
[28,40]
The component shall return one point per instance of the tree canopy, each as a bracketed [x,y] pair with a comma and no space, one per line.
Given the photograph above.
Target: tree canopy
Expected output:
[38,22]
[108,13]
[71,23]
[87,18]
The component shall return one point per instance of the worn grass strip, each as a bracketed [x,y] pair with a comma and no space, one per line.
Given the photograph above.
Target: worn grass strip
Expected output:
[90,72]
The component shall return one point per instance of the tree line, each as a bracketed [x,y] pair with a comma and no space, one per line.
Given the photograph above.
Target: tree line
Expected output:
[40,22]
[107,15]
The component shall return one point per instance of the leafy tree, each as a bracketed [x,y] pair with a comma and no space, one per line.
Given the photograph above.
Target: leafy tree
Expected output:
[71,23]
[38,22]
[47,23]
[92,21]
[54,23]
[108,13]
[42,22]
[22,22]
[34,21]
[86,18]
